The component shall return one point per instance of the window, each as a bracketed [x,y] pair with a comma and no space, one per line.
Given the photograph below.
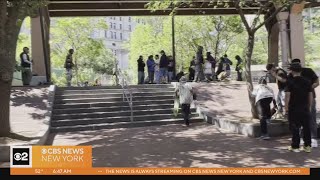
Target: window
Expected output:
[120,19]
[120,25]
[111,34]
[121,36]
[105,34]
[138,20]
[129,19]
[129,27]
[111,25]
[114,26]
[115,35]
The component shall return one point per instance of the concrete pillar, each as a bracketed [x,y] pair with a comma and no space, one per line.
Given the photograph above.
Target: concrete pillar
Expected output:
[40,31]
[282,18]
[37,47]
[296,32]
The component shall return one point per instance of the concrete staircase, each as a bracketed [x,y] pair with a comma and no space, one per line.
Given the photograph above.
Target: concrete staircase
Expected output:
[92,108]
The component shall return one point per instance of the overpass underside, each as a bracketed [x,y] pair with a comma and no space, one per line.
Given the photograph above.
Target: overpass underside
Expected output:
[60,8]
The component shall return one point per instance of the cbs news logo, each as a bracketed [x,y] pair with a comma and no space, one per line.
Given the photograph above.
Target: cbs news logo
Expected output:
[20,156]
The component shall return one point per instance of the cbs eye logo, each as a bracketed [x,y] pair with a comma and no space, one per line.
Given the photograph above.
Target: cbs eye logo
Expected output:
[21,156]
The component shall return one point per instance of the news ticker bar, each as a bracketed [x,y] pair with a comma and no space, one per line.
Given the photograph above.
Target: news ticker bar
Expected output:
[160,171]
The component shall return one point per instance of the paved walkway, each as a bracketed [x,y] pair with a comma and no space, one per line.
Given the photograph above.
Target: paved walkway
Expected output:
[200,145]
[28,115]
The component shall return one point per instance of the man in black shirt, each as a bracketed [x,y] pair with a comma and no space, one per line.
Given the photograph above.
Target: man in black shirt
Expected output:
[163,65]
[298,107]
[310,75]
[141,66]
[26,65]
[281,79]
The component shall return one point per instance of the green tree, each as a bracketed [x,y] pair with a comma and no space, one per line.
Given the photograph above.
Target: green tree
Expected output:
[12,14]
[311,34]
[251,29]
[24,40]
[90,56]
[190,31]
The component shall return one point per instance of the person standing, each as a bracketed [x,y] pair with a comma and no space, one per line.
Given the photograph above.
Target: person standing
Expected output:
[192,68]
[310,75]
[157,69]
[208,70]
[281,78]
[228,63]
[151,67]
[199,75]
[141,66]
[213,65]
[185,92]
[26,64]
[263,97]
[298,102]
[68,65]
[170,68]
[239,68]
[163,67]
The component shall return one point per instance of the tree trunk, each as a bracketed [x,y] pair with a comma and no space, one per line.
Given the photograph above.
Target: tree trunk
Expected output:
[6,72]
[217,46]
[250,46]
[8,42]
[5,88]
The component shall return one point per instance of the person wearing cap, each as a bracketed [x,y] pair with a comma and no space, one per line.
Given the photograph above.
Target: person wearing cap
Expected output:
[185,92]
[310,75]
[298,102]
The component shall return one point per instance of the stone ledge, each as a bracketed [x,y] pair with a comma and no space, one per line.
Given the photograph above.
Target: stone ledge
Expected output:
[250,129]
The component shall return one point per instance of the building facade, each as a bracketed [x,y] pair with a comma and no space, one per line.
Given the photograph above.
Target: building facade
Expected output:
[117,35]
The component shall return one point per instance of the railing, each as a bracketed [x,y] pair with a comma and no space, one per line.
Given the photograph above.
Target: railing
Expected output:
[126,91]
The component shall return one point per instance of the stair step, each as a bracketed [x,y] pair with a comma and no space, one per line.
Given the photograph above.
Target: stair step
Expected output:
[112,99]
[110,104]
[115,114]
[95,91]
[99,95]
[87,121]
[159,86]
[109,109]
[92,127]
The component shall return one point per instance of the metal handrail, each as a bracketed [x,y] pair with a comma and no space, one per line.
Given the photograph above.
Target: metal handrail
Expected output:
[124,86]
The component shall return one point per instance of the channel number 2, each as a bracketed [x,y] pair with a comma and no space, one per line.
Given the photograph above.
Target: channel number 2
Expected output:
[21,156]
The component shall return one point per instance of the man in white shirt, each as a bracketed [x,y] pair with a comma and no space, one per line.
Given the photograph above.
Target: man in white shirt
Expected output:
[185,92]
[26,64]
